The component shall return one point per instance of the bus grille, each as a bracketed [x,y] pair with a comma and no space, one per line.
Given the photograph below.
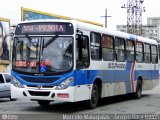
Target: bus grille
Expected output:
[35,86]
[39,80]
[37,93]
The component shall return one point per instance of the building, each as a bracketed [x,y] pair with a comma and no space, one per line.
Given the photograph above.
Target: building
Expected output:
[155,21]
[151,30]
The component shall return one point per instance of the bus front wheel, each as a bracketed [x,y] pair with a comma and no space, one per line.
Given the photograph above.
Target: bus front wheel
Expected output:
[43,103]
[92,103]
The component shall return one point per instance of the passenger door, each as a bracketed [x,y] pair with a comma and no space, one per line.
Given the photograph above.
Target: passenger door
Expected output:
[147,75]
[155,67]
[108,65]
[82,63]
[122,80]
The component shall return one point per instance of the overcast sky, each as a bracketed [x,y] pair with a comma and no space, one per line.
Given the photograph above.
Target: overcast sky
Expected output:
[82,9]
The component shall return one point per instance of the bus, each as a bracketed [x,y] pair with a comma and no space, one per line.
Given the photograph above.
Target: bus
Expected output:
[71,61]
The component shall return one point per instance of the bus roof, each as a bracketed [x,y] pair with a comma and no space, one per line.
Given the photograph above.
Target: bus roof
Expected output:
[115,33]
[95,28]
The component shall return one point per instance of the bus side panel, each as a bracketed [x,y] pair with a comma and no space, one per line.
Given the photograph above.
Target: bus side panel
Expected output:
[155,74]
[149,76]
[123,78]
[110,87]
[115,81]
[83,85]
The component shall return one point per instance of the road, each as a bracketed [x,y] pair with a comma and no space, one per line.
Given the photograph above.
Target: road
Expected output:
[26,109]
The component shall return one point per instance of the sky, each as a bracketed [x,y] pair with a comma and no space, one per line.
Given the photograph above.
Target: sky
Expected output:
[91,10]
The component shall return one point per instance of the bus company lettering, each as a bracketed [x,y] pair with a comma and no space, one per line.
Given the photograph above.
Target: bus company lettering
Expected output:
[117,65]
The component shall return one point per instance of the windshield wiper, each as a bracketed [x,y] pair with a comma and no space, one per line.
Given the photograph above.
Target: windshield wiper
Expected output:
[50,41]
[30,40]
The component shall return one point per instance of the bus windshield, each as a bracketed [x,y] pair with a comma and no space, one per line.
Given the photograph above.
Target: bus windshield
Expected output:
[43,54]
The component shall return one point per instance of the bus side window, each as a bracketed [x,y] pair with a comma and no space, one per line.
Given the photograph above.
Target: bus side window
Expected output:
[139,52]
[130,48]
[107,48]
[82,51]
[96,50]
[154,52]
[147,53]
[120,49]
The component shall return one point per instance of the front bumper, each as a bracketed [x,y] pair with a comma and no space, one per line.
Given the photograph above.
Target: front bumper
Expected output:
[43,94]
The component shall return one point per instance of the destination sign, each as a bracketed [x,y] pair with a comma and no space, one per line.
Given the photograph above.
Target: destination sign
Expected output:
[44,28]
[25,64]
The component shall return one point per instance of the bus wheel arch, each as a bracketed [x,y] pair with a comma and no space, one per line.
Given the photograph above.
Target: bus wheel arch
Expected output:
[95,94]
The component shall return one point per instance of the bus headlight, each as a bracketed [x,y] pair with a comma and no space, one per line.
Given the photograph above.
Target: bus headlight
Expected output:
[16,83]
[65,84]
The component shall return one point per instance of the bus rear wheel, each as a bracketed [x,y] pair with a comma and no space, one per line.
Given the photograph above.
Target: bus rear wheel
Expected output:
[138,92]
[92,103]
[43,103]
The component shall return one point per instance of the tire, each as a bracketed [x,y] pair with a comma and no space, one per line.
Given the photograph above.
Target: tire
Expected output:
[138,92]
[43,103]
[14,99]
[92,103]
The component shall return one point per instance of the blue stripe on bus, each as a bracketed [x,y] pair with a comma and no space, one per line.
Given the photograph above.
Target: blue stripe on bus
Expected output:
[147,74]
[83,77]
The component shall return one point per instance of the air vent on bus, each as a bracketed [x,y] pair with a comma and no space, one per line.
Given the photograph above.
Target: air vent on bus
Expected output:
[37,93]
[35,86]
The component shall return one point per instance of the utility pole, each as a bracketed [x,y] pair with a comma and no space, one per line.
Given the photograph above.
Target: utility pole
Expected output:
[106,17]
[138,15]
[134,16]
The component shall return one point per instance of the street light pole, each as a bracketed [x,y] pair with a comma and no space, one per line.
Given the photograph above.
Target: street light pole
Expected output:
[106,16]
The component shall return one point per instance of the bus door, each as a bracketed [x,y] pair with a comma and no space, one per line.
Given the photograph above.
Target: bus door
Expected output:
[122,71]
[82,63]
[155,65]
[147,68]
[109,64]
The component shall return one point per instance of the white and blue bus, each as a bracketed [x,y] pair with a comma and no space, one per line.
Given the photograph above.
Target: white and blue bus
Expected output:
[67,60]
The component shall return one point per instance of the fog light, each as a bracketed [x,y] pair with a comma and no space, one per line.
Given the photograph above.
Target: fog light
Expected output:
[52,96]
[24,93]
